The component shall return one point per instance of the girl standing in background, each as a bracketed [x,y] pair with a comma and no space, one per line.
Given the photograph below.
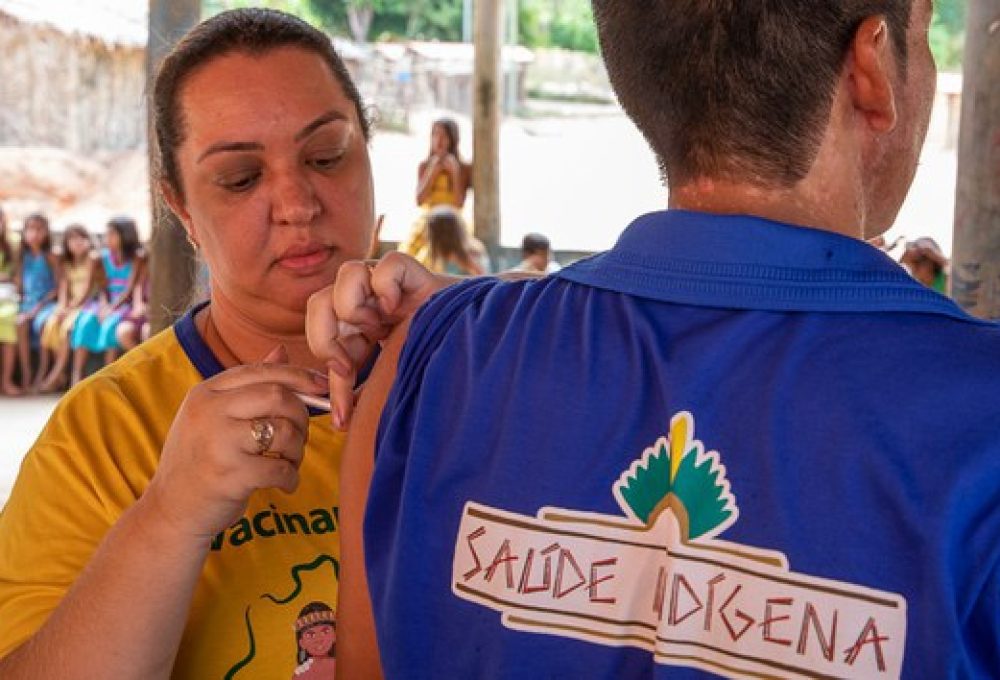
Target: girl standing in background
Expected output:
[442,179]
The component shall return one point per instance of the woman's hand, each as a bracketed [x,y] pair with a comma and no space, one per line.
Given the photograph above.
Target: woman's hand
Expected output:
[345,320]
[218,451]
[450,164]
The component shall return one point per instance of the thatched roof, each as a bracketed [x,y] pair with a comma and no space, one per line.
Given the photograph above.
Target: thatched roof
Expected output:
[116,22]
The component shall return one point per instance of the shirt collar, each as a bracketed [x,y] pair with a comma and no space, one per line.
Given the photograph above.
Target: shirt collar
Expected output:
[208,365]
[746,262]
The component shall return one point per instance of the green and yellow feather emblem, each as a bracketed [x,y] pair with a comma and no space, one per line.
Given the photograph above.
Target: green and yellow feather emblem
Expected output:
[676,473]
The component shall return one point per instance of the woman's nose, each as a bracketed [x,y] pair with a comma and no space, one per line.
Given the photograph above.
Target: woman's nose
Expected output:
[295,201]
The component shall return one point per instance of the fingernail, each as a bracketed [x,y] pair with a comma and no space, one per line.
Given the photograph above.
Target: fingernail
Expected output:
[338,418]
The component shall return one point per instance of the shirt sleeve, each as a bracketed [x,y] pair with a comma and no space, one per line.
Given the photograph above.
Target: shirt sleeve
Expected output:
[68,493]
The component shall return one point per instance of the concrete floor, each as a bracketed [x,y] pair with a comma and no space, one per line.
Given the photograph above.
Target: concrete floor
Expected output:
[21,419]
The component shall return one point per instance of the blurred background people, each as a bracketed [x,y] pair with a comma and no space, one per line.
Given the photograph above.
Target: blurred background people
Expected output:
[451,249]
[96,327]
[37,281]
[134,326]
[536,255]
[8,306]
[443,178]
[926,262]
[75,287]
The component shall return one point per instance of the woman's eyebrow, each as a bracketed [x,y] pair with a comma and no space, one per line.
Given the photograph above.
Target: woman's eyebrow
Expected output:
[230,146]
[319,122]
[327,117]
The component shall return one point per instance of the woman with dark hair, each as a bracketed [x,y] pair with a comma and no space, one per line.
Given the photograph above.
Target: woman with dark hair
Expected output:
[116,269]
[157,507]
[442,179]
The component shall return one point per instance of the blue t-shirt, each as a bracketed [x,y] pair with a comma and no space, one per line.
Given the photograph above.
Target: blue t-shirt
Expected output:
[727,447]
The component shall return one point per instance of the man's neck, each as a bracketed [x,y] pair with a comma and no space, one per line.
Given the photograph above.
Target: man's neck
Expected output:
[807,204]
[837,194]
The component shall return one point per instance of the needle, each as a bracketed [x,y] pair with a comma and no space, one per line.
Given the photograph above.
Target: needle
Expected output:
[316,402]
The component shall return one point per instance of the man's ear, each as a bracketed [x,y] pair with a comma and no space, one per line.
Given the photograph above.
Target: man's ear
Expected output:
[176,204]
[872,70]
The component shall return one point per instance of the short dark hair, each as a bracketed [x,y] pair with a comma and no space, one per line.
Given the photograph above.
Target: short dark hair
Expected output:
[535,243]
[253,31]
[734,89]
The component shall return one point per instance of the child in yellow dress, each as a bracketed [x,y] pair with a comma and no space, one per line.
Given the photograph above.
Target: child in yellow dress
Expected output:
[77,266]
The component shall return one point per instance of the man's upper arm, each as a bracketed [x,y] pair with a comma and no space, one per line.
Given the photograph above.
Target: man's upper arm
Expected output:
[357,648]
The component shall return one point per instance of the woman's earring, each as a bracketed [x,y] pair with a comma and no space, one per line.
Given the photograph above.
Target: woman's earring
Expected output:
[192,243]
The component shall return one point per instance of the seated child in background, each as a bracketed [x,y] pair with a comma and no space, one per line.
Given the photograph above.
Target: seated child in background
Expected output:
[134,326]
[75,289]
[8,295]
[37,281]
[536,255]
[96,328]
[452,250]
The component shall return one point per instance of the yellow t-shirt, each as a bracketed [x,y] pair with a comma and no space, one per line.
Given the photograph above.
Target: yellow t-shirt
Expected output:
[96,456]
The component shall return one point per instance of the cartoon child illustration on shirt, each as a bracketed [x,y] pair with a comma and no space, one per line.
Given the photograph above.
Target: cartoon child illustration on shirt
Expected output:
[315,637]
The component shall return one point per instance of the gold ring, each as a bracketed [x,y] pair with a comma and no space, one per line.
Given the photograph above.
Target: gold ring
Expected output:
[263,434]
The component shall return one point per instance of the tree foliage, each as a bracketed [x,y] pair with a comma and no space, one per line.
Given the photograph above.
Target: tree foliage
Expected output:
[541,23]
[557,23]
[948,33]
[392,19]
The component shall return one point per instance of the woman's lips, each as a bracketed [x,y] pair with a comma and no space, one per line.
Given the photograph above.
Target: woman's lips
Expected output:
[306,260]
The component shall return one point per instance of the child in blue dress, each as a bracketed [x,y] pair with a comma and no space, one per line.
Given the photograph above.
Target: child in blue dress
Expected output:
[98,322]
[37,282]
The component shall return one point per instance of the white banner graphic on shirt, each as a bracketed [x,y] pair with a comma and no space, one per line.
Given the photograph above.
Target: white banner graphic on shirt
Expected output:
[657,579]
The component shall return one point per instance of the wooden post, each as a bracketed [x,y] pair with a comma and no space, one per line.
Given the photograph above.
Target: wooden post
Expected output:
[486,126]
[172,261]
[975,280]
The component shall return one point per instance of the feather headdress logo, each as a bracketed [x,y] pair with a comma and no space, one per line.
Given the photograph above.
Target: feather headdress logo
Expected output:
[659,578]
[676,473]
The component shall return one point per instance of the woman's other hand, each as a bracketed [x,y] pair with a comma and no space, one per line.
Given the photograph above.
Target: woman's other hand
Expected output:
[239,431]
[450,163]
